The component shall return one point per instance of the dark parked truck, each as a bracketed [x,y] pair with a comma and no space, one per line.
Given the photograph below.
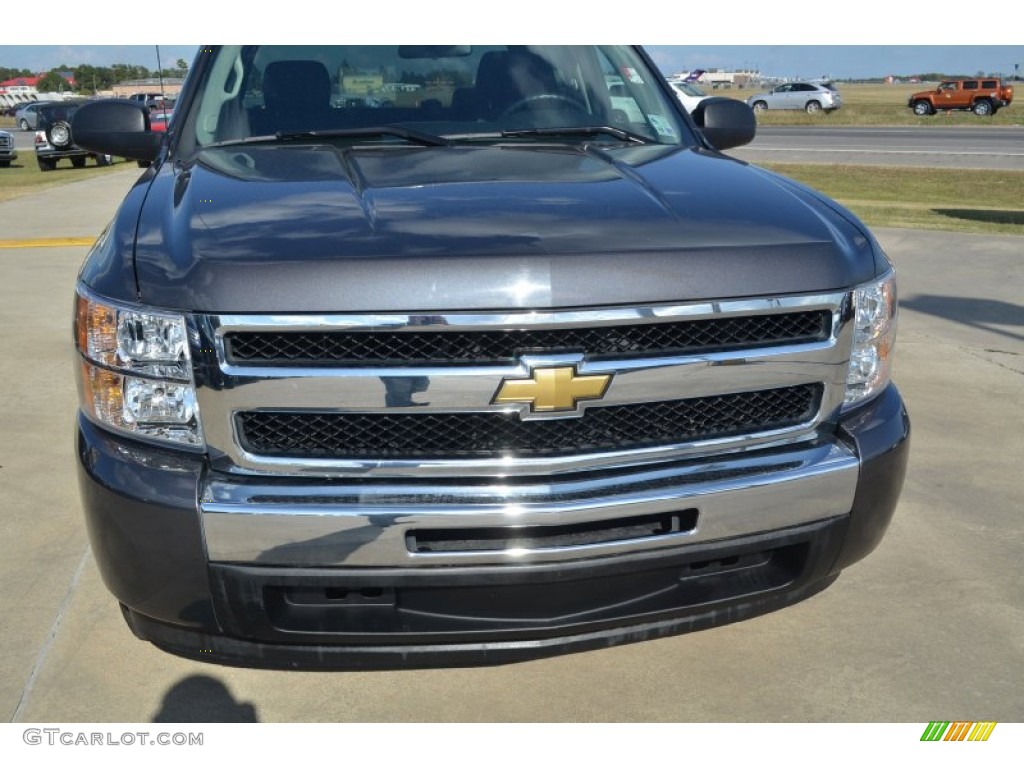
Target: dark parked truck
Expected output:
[439,355]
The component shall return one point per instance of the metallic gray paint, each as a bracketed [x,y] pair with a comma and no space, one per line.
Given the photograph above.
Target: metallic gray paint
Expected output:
[315,229]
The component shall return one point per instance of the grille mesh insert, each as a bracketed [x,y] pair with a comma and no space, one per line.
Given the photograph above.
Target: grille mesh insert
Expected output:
[386,436]
[492,346]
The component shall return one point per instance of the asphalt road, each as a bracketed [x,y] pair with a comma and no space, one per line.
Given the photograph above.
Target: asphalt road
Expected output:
[998,147]
[929,627]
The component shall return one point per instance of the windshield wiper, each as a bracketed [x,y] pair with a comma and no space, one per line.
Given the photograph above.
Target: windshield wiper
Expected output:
[409,134]
[581,130]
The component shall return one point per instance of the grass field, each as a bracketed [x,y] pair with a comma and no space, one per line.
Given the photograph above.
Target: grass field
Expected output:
[24,177]
[922,198]
[979,201]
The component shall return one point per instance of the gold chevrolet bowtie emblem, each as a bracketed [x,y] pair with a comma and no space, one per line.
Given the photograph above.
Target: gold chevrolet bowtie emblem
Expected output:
[553,389]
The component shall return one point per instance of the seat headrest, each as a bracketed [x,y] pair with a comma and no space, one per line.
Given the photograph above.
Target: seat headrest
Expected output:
[296,84]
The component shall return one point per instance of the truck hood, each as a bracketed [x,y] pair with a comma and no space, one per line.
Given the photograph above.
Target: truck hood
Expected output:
[313,228]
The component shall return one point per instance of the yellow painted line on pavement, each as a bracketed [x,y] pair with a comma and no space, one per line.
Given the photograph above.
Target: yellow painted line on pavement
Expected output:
[47,242]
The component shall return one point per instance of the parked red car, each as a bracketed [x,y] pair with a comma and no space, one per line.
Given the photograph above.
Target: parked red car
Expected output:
[158,120]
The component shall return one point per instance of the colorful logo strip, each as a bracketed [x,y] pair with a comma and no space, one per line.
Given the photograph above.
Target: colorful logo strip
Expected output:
[957,731]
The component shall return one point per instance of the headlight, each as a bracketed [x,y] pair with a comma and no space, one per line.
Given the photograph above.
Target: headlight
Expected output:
[135,375]
[873,340]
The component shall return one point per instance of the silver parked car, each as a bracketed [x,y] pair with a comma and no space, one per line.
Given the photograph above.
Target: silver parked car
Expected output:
[810,97]
[27,116]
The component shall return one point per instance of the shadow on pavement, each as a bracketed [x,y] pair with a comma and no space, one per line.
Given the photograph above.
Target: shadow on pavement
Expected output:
[203,699]
[976,313]
[991,216]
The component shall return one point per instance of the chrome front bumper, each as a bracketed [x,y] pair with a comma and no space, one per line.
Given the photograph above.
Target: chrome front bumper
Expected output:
[375,524]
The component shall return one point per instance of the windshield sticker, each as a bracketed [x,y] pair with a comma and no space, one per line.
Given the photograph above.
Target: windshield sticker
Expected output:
[661,125]
[632,75]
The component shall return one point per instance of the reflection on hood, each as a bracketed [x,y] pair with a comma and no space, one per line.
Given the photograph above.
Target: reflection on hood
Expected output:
[311,223]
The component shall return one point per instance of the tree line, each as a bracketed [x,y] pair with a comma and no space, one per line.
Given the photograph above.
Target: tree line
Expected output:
[89,79]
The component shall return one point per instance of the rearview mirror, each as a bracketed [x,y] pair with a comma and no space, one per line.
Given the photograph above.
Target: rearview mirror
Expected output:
[726,123]
[434,51]
[116,127]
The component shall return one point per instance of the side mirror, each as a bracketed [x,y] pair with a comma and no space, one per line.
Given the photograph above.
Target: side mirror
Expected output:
[726,123]
[116,127]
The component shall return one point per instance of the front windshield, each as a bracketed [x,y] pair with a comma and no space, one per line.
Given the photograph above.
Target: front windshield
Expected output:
[456,92]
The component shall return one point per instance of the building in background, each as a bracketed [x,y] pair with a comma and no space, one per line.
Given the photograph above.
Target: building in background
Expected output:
[170,87]
[722,78]
[21,90]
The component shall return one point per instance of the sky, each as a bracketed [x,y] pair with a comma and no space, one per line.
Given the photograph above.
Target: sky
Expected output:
[841,61]
[868,38]
[837,61]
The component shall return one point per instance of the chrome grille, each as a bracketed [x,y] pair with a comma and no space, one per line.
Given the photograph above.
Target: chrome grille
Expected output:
[412,396]
[499,435]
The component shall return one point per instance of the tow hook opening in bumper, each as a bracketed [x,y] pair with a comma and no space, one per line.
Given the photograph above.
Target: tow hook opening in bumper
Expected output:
[533,537]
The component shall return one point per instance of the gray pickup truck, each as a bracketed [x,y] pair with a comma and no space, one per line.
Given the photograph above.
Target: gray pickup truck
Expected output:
[438,355]
[8,150]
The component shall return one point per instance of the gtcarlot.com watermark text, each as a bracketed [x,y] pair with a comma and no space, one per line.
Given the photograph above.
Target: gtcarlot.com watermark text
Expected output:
[54,737]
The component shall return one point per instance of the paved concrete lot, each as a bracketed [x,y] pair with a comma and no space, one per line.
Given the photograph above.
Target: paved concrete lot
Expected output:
[929,627]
